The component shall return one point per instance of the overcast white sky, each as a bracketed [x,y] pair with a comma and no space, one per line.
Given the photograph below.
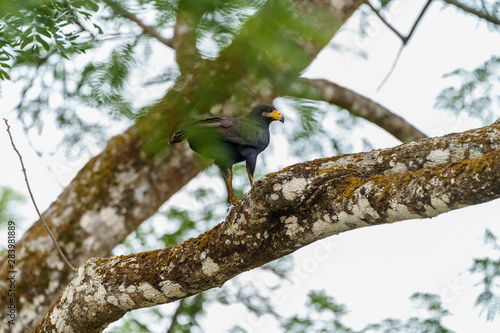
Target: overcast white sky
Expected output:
[373,270]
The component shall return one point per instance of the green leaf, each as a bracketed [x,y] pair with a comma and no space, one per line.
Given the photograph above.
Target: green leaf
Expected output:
[60,25]
[42,31]
[78,4]
[384,3]
[8,54]
[27,41]
[92,5]
[4,75]
[98,28]
[85,14]
[27,32]
[45,45]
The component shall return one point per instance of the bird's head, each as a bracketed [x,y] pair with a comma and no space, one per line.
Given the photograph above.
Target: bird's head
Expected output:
[267,112]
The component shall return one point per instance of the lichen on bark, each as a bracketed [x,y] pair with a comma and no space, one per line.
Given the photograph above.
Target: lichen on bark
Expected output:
[316,199]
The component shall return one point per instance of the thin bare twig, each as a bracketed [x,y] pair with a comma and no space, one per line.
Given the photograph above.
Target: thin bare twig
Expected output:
[404,39]
[417,21]
[394,63]
[390,26]
[175,316]
[32,197]
[481,14]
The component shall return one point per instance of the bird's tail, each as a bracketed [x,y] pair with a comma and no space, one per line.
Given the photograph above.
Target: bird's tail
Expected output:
[180,136]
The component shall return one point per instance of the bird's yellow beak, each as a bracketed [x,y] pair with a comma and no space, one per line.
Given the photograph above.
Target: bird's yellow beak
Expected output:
[276,115]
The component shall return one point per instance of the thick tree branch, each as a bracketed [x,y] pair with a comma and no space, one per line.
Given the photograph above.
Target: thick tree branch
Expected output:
[363,107]
[125,184]
[185,36]
[283,212]
[481,14]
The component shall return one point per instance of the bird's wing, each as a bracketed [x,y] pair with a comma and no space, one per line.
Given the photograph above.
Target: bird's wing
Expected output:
[239,131]
[231,130]
[198,127]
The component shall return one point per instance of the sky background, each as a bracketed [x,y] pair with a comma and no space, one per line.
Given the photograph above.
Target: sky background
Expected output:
[372,270]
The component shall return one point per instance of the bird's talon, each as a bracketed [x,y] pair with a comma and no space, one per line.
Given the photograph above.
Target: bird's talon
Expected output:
[230,208]
[229,211]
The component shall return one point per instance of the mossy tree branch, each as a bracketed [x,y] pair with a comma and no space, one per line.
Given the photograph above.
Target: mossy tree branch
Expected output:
[286,211]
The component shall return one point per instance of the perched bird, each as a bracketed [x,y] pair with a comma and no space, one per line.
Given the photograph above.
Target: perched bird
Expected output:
[231,140]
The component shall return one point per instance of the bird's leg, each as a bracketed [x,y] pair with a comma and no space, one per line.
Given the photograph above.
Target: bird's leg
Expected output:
[232,198]
[228,180]
[250,162]
[250,176]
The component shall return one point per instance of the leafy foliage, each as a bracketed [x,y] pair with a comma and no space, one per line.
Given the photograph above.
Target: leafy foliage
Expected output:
[100,85]
[477,96]
[325,315]
[112,83]
[489,268]
[103,83]
[429,303]
[8,197]
[219,26]
[384,3]
[30,31]
[319,128]
[491,8]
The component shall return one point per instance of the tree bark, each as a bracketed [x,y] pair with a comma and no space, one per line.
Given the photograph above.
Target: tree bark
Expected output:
[128,182]
[285,211]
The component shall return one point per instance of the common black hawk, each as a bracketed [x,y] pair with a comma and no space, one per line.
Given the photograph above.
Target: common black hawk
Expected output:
[231,140]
